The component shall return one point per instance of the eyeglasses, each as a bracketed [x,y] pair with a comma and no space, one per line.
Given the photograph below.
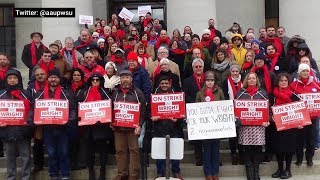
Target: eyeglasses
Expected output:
[164,64]
[162,52]
[95,37]
[236,39]
[197,66]
[77,75]
[95,80]
[302,50]
[41,74]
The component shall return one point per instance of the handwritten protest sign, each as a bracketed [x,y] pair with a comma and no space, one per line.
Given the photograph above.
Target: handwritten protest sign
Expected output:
[168,105]
[83,19]
[313,103]
[126,114]
[143,10]
[12,112]
[211,120]
[49,111]
[291,115]
[126,14]
[252,112]
[92,112]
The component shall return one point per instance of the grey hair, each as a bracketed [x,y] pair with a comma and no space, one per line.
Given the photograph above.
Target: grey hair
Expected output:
[197,60]
[163,48]
[164,60]
[235,66]
[68,38]
[84,29]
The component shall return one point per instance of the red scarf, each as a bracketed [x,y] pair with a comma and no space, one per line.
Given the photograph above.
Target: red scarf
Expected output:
[178,51]
[209,93]
[116,60]
[146,21]
[57,92]
[125,91]
[145,43]
[282,95]
[130,47]
[18,95]
[199,46]
[75,86]
[252,90]
[75,63]
[46,67]
[161,41]
[105,36]
[144,58]
[256,51]
[37,86]
[212,32]
[305,80]
[84,44]
[247,65]
[93,94]
[33,52]
[266,77]
[152,38]
[235,89]
[199,84]
[274,59]
[3,72]
[206,41]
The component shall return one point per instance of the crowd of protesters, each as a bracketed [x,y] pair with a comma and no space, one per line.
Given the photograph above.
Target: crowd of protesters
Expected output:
[122,61]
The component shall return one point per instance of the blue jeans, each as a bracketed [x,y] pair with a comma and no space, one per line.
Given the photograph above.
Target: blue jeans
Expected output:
[161,165]
[56,141]
[211,157]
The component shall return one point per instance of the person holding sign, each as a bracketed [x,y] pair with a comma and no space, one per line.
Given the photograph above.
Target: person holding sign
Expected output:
[16,138]
[210,92]
[284,141]
[126,133]
[307,136]
[99,134]
[163,127]
[252,138]
[231,86]
[55,136]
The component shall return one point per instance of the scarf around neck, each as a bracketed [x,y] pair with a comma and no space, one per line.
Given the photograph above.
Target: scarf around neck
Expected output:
[199,83]
[282,95]
[222,66]
[75,63]
[33,52]
[57,92]
[232,88]
[208,93]
[266,77]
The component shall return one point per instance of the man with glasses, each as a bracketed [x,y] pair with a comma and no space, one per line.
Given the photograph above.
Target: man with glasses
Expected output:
[90,66]
[73,57]
[191,86]
[31,53]
[95,36]
[163,40]
[84,40]
[238,51]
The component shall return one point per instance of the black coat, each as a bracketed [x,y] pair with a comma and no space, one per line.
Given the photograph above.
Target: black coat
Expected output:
[190,89]
[97,131]
[178,59]
[27,57]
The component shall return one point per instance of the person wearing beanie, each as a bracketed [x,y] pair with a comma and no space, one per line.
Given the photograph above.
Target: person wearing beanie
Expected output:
[209,43]
[210,92]
[255,46]
[56,136]
[16,138]
[224,44]
[231,86]
[313,72]
[306,136]
[31,53]
[140,75]
[111,79]
[238,51]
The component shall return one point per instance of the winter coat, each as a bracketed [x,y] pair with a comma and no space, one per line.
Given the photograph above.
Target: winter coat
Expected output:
[175,81]
[294,76]
[149,64]
[188,71]
[27,57]
[221,76]
[311,87]
[190,89]
[63,66]
[141,80]
[83,49]
[79,58]
[2,81]
[178,59]
[88,72]
[239,54]
[173,67]
[217,94]
[252,135]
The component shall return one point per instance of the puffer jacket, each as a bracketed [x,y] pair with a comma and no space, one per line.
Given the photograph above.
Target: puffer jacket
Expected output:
[141,81]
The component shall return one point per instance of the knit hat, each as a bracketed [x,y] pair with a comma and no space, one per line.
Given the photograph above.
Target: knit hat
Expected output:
[224,40]
[132,56]
[54,44]
[260,56]
[111,64]
[255,41]
[206,31]
[235,65]
[54,72]
[100,40]
[303,67]
[95,34]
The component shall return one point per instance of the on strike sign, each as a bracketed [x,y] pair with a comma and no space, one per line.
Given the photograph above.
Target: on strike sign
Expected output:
[92,112]
[168,105]
[313,103]
[126,114]
[291,115]
[211,120]
[12,112]
[51,111]
[252,112]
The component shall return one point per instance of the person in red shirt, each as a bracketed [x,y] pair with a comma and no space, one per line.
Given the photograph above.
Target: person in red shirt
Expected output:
[306,136]
[90,66]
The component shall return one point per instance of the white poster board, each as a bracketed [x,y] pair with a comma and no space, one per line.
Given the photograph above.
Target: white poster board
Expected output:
[143,10]
[83,19]
[158,148]
[126,14]
[211,120]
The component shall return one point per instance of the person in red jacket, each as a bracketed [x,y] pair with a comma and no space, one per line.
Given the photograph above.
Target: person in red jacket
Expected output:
[163,40]
[272,38]
[307,136]
[90,66]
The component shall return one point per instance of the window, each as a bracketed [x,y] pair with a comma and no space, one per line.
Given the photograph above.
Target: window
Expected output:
[7,33]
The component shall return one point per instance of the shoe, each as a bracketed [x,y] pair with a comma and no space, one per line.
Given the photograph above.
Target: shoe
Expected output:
[309,163]
[277,174]
[266,158]
[234,159]
[286,175]
[209,178]
[215,177]
[178,176]
[199,163]
[256,175]
[298,162]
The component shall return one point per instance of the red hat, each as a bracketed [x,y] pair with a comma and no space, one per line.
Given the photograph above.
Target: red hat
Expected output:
[132,56]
